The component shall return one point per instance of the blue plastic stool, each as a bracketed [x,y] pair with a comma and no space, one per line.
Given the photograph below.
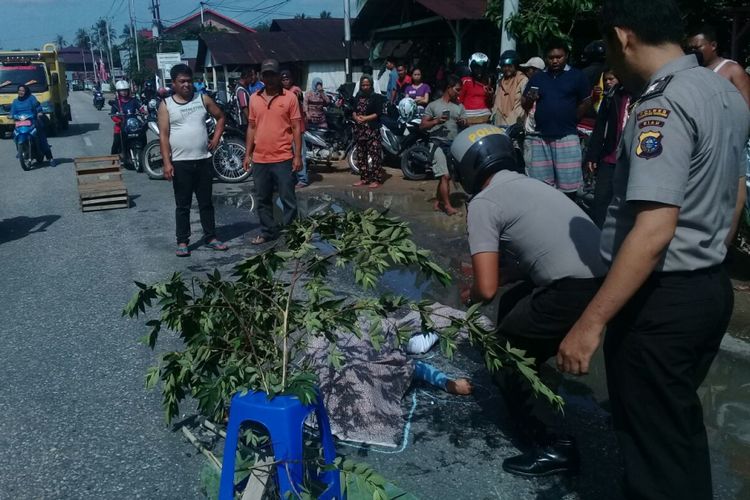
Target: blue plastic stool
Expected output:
[283,417]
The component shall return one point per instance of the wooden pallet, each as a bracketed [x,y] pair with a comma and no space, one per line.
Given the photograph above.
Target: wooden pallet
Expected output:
[100,184]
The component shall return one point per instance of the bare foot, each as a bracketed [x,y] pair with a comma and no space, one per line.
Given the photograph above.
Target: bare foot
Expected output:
[359,184]
[374,185]
[460,386]
[449,210]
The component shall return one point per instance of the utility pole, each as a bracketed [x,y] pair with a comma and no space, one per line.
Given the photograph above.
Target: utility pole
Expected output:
[93,62]
[134,29]
[510,9]
[109,49]
[348,41]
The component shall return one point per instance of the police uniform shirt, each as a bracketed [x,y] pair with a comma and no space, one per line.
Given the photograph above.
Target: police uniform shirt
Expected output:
[536,227]
[682,146]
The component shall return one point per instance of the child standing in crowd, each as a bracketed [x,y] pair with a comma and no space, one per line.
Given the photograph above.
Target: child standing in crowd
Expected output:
[476,90]
[601,155]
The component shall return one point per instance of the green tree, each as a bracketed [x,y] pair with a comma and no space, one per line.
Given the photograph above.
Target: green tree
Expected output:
[60,41]
[82,38]
[326,14]
[263,26]
[539,20]
[301,16]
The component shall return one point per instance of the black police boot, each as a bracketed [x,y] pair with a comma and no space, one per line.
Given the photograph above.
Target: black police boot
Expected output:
[559,456]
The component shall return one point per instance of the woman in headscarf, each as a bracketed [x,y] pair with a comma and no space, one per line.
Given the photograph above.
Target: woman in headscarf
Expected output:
[27,104]
[368,107]
[315,103]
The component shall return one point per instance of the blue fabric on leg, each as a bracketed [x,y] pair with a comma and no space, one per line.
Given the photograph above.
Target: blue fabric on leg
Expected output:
[430,374]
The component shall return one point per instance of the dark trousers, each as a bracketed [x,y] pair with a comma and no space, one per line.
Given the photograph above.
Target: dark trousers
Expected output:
[193,177]
[658,351]
[269,177]
[603,192]
[536,319]
[116,144]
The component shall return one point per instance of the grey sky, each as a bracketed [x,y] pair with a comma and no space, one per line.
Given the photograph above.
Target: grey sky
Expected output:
[30,23]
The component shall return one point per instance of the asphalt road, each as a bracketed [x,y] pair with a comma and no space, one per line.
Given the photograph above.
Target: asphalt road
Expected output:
[75,420]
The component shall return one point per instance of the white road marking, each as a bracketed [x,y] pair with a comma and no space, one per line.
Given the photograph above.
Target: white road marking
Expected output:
[87,141]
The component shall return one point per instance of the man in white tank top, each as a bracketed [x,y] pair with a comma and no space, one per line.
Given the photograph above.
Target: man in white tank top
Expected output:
[186,151]
[703,42]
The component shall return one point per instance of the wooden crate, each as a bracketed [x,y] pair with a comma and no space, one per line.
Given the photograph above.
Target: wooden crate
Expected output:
[100,184]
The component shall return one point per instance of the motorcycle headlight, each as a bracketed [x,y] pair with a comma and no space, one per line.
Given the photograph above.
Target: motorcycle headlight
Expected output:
[132,124]
[152,104]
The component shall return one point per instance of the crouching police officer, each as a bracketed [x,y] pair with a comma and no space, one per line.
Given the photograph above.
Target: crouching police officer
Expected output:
[666,300]
[520,227]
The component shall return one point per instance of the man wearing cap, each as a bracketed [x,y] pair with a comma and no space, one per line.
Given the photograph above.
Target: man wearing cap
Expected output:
[507,110]
[274,145]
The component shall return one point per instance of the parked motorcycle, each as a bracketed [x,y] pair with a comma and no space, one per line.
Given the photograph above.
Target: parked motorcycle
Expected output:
[98,100]
[325,145]
[403,139]
[133,139]
[226,159]
[27,141]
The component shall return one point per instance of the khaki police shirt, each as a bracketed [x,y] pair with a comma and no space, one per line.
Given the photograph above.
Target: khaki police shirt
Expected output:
[683,145]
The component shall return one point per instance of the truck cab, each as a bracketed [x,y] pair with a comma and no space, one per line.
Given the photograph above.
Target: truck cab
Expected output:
[44,73]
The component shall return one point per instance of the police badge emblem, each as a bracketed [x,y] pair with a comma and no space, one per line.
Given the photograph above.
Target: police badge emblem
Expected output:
[649,144]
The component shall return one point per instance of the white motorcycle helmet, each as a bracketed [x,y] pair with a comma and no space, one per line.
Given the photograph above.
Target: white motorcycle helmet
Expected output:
[407,109]
[121,86]
[478,62]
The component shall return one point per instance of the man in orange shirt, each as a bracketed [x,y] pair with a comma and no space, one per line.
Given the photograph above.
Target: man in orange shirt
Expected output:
[274,126]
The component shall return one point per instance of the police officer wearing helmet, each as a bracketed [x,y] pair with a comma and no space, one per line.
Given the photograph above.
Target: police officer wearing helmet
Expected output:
[667,300]
[523,230]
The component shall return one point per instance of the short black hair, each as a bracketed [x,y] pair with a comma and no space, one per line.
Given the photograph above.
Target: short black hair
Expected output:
[180,69]
[391,59]
[450,81]
[708,32]
[366,69]
[556,43]
[246,72]
[654,22]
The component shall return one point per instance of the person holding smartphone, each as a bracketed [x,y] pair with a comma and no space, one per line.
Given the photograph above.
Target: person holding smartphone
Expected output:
[442,118]
[560,96]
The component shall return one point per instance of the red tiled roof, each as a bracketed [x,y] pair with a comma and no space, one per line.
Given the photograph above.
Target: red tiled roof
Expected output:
[224,18]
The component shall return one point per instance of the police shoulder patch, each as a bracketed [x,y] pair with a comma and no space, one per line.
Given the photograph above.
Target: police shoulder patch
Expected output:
[649,144]
[656,88]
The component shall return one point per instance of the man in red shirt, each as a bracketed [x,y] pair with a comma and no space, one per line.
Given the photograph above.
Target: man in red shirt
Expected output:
[402,82]
[274,132]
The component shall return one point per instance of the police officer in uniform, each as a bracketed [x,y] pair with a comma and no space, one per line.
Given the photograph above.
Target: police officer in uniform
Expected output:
[525,231]
[666,300]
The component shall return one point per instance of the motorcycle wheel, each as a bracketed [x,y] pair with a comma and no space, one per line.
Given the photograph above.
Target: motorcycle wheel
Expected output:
[136,158]
[350,160]
[152,162]
[24,155]
[416,162]
[227,160]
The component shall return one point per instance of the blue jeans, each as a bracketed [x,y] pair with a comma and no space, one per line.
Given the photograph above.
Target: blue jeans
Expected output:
[268,178]
[302,177]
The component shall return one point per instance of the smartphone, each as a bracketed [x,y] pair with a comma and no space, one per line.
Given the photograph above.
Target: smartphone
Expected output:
[446,114]
[534,91]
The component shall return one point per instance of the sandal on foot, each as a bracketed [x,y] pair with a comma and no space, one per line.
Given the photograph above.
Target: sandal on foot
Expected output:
[359,184]
[374,185]
[217,245]
[182,251]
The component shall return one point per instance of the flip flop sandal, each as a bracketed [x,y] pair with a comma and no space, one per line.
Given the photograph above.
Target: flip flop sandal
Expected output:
[182,251]
[258,240]
[217,245]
